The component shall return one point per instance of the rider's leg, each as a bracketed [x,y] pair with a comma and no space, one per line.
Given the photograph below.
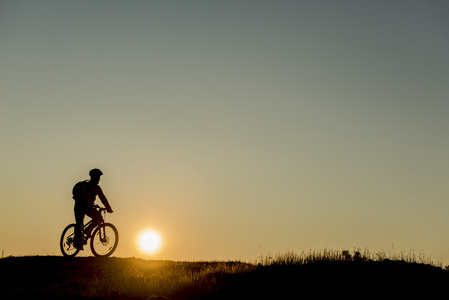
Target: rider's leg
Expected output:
[79,218]
[96,217]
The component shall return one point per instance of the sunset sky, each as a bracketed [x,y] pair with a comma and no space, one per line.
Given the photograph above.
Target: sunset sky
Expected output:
[232,128]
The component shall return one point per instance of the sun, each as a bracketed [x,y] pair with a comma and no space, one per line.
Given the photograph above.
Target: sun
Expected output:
[149,241]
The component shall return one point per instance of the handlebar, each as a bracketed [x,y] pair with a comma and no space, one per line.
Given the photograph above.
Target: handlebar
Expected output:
[99,208]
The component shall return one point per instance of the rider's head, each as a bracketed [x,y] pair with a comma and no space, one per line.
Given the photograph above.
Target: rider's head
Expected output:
[95,175]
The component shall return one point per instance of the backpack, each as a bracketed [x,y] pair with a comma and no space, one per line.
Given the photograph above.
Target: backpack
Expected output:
[77,190]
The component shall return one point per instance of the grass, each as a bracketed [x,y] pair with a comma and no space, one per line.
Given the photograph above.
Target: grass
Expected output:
[357,254]
[325,273]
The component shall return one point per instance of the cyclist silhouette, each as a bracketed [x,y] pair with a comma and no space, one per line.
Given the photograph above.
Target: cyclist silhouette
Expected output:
[84,194]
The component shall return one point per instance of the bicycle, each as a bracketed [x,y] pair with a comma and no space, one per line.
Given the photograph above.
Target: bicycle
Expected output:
[103,237]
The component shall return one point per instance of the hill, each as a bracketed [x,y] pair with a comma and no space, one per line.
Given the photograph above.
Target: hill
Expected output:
[51,277]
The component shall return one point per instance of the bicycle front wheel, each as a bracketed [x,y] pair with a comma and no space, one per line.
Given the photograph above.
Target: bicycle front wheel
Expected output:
[67,242]
[104,240]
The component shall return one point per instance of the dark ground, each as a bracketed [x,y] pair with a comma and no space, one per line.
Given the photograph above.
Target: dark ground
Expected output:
[50,277]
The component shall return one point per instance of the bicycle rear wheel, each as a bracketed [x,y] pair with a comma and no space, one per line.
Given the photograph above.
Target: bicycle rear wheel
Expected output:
[104,240]
[67,242]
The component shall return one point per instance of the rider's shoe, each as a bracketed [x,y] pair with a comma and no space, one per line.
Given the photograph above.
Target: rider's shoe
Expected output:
[79,246]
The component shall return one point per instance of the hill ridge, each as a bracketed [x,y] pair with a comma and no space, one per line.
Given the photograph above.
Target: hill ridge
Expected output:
[55,277]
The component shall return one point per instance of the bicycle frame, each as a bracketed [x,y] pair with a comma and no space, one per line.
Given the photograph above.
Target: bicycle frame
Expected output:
[100,221]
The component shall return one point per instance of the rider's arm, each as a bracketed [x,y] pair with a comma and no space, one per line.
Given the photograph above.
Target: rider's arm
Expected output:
[103,199]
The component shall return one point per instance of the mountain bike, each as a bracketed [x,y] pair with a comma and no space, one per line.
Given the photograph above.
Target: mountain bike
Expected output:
[103,237]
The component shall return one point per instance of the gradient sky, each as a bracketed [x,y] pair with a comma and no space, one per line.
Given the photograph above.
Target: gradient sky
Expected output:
[233,128]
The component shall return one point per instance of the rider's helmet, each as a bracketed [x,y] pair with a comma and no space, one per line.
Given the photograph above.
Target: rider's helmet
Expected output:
[95,173]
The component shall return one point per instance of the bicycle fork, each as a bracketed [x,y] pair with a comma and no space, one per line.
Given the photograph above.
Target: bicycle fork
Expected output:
[102,233]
